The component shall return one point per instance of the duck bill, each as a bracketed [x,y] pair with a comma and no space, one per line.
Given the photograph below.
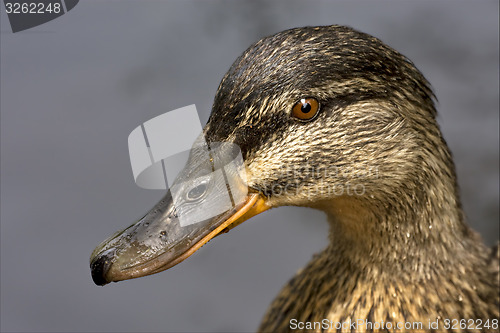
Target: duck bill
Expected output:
[159,241]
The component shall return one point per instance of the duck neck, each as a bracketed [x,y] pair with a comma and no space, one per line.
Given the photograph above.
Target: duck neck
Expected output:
[420,231]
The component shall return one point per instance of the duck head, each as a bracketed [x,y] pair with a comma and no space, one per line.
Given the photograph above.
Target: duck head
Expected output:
[325,117]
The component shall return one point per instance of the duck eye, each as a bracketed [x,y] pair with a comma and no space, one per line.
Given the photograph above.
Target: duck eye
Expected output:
[306,109]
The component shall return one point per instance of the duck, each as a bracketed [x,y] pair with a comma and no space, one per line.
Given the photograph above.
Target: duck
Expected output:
[332,118]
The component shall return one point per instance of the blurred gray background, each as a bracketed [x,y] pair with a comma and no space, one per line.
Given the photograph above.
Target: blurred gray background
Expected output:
[73,89]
